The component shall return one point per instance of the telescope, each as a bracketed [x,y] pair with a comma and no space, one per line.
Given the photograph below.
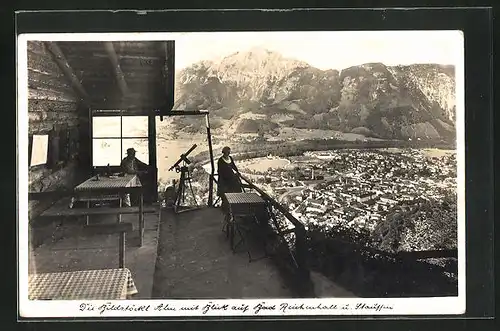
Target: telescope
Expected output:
[184,181]
[183,158]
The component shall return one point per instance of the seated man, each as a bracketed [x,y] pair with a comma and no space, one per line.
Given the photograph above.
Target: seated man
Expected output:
[132,165]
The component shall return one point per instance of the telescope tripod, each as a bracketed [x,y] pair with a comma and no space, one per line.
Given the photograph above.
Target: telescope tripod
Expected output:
[182,191]
[184,183]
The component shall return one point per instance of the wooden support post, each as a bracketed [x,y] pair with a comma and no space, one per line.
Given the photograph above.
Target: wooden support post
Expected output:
[169,70]
[122,250]
[121,229]
[120,77]
[87,218]
[119,216]
[212,166]
[141,218]
[153,164]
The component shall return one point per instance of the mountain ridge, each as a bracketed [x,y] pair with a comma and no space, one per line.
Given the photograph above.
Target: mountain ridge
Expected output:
[261,92]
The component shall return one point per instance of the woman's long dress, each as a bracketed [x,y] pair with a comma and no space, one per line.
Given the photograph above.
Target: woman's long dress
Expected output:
[228,181]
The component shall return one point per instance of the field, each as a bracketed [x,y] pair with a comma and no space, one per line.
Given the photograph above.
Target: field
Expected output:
[428,152]
[298,134]
[262,164]
[434,152]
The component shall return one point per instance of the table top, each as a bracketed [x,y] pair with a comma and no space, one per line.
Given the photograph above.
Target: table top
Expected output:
[244,198]
[103,284]
[109,182]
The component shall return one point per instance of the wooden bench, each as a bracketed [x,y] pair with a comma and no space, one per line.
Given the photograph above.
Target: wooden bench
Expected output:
[56,211]
[106,194]
[61,209]
[120,228]
[114,197]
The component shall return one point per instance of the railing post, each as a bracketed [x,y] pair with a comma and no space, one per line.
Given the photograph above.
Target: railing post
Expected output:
[303,277]
[301,259]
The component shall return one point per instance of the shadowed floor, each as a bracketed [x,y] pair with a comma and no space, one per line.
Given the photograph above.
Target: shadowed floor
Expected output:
[191,253]
[66,250]
[195,261]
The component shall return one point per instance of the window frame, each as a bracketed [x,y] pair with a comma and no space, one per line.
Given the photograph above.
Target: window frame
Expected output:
[119,114]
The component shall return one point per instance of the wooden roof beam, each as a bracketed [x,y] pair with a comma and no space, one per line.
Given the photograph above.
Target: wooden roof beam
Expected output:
[169,68]
[120,77]
[169,79]
[62,62]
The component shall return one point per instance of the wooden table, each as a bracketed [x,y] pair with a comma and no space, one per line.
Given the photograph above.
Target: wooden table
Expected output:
[242,205]
[106,188]
[107,182]
[103,284]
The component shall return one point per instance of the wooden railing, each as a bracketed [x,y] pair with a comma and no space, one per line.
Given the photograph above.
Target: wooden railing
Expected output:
[298,248]
[301,244]
[428,254]
[401,256]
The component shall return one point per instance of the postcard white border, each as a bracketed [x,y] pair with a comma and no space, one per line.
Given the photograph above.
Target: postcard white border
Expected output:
[399,306]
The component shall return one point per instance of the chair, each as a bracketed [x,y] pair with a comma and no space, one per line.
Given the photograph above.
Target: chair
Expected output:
[240,207]
[225,221]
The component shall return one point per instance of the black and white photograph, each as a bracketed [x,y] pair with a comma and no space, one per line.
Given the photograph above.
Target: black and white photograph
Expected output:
[241,173]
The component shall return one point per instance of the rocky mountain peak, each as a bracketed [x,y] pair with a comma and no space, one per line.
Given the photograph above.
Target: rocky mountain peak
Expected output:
[273,91]
[256,62]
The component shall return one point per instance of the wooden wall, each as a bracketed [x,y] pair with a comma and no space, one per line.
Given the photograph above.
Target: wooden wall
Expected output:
[54,109]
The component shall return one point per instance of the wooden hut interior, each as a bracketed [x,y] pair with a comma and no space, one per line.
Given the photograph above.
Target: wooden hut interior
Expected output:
[75,87]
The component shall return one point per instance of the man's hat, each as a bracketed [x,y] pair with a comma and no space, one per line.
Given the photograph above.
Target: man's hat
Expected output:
[130,150]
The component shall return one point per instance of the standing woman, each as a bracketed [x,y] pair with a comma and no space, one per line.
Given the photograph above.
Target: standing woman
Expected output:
[229,180]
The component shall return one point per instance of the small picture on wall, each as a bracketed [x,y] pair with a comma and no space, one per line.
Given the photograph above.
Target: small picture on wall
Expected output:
[39,149]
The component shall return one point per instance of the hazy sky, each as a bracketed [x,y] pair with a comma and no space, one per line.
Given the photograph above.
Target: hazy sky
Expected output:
[327,50]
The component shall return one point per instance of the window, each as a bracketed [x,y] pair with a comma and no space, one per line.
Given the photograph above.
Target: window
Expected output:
[113,135]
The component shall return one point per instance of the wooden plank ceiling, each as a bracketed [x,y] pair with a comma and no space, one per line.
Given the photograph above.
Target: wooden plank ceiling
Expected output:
[119,74]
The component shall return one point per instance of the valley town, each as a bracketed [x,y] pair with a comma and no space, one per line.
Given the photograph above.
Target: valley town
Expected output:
[359,189]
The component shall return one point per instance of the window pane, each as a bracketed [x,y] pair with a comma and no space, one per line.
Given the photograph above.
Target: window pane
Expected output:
[140,146]
[135,126]
[106,151]
[106,126]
